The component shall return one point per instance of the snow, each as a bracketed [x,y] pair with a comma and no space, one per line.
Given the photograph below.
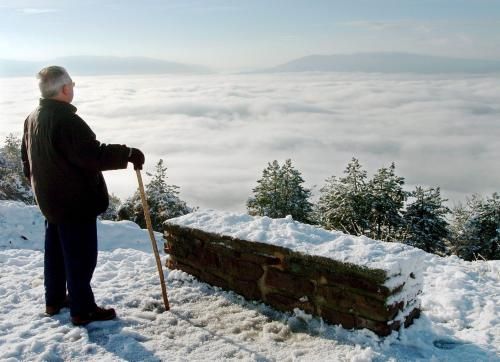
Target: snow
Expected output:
[394,258]
[460,303]
[23,227]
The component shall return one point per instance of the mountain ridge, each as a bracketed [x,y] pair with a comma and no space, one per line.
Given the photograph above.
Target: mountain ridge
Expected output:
[363,62]
[101,65]
[385,62]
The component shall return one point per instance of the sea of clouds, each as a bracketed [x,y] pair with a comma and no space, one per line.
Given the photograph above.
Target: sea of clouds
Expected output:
[216,133]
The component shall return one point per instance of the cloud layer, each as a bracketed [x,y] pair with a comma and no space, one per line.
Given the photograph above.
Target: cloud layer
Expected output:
[216,133]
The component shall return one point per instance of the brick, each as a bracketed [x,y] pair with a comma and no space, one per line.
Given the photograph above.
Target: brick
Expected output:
[222,251]
[288,303]
[189,269]
[415,313]
[180,251]
[313,266]
[345,300]
[209,259]
[379,295]
[248,289]
[216,280]
[181,248]
[292,284]
[261,259]
[383,328]
[166,248]
[256,247]
[380,328]
[199,235]
[332,316]
[356,283]
[171,264]
[244,270]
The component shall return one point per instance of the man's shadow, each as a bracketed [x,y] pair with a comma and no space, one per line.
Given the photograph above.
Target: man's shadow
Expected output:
[258,357]
[127,346]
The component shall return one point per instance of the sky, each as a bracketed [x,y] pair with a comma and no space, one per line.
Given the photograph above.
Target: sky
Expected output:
[229,35]
[217,132]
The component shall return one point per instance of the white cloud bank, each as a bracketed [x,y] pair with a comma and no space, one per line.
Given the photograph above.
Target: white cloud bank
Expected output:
[216,133]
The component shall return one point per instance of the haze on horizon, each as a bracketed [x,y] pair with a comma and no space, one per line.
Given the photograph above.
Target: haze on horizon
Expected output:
[243,35]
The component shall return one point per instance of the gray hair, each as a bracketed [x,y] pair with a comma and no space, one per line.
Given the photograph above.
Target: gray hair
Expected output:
[52,79]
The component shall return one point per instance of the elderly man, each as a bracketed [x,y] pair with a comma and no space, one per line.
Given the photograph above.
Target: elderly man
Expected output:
[63,161]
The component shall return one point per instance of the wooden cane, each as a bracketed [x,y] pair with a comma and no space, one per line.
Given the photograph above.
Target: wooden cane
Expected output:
[147,216]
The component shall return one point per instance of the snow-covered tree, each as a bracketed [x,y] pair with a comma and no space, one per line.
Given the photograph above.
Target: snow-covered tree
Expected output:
[425,222]
[386,199]
[114,206]
[476,228]
[280,193]
[13,184]
[163,200]
[343,203]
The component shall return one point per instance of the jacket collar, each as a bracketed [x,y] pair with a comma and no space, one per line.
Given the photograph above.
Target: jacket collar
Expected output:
[45,102]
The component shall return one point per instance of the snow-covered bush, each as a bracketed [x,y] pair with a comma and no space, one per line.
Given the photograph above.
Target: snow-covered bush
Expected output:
[13,184]
[359,206]
[163,200]
[476,228]
[425,219]
[114,206]
[343,203]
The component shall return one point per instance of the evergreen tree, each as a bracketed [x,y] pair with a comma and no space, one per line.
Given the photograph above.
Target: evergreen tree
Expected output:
[343,202]
[280,193]
[460,241]
[487,225]
[163,200]
[386,198]
[426,226]
[476,228]
[266,199]
[13,183]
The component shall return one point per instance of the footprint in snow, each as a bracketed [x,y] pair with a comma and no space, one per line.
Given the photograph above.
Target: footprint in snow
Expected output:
[447,343]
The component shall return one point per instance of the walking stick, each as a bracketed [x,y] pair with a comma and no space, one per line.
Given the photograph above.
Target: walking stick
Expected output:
[147,216]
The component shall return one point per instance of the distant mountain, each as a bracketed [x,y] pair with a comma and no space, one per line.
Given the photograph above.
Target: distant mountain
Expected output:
[96,65]
[386,63]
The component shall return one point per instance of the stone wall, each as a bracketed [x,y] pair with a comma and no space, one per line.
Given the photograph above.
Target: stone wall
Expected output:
[341,293]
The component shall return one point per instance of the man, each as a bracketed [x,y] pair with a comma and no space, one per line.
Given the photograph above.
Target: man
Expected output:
[63,161]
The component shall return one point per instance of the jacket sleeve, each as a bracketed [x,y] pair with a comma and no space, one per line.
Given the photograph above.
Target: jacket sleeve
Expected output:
[24,153]
[78,144]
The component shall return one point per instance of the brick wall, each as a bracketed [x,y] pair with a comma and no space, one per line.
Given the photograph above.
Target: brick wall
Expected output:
[341,293]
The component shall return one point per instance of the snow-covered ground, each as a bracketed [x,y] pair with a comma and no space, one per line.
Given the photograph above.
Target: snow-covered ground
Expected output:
[460,302]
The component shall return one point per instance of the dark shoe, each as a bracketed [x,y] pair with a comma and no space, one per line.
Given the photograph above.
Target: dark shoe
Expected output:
[100,314]
[52,310]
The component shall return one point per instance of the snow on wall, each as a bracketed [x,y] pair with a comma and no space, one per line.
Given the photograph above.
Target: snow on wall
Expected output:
[394,258]
[397,260]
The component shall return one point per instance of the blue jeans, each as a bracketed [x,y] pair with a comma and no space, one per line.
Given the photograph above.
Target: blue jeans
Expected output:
[70,260]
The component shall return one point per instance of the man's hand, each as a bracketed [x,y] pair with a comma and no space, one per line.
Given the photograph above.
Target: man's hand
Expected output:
[137,158]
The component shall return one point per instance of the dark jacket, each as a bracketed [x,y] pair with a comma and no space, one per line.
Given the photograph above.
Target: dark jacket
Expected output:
[63,161]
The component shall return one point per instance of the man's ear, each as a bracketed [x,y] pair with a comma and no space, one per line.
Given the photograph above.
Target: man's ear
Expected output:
[65,89]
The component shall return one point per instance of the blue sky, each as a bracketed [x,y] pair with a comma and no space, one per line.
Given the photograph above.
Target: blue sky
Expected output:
[243,34]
